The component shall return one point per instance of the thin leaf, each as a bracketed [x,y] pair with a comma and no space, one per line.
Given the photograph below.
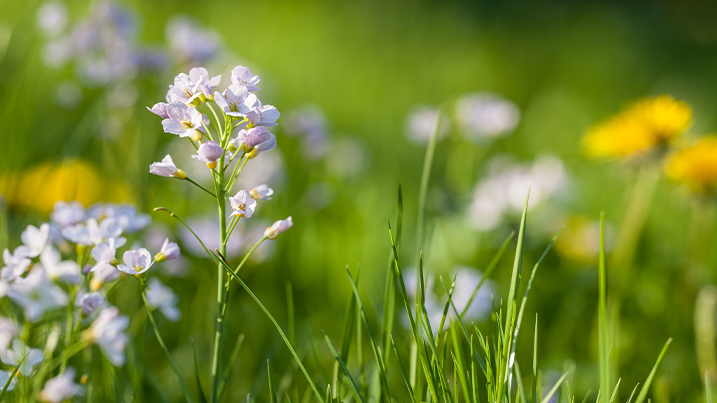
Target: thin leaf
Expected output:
[554,388]
[202,397]
[646,386]
[603,337]
[352,383]
[272,389]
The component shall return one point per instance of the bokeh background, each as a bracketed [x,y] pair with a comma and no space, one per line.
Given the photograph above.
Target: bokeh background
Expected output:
[347,76]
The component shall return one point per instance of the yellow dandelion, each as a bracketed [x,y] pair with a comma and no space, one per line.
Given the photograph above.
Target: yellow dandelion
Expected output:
[695,166]
[646,124]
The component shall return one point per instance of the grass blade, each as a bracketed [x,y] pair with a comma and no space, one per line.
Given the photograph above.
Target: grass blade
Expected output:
[554,389]
[603,339]
[272,389]
[635,390]
[352,383]
[425,177]
[614,391]
[230,363]
[12,376]
[646,386]
[202,397]
[708,388]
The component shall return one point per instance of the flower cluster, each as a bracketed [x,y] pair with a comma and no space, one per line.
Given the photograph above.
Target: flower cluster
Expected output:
[63,265]
[642,127]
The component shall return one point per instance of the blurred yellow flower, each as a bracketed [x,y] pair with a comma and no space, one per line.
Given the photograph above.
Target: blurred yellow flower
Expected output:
[695,166]
[579,240]
[646,124]
[41,186]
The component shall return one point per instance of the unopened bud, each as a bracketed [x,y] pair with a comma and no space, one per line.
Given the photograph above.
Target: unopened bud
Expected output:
[95,284]
[179,174]
[212,165]
[84,379]
[196,136]
[160,257]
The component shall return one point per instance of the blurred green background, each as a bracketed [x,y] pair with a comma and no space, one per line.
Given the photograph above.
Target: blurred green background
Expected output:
[567,65]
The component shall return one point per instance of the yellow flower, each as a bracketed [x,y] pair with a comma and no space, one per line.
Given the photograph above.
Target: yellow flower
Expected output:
[695,166]
[646,124]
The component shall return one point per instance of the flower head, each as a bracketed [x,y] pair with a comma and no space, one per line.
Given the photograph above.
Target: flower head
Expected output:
[8,331]
[182,120]
[36,294]
[161,297]
[160,109]
[421,122]
[107,331]
[33,241]
[232,100]
[15,265]
[166,168]
[259,115]
[65,214]
[645,125]
[278,227]
[89,302]
[209,152]
[20,351]
[695,166]
[169,251]
[242,76]
[486,115]
[262,192]
[191,88]
[61,387]
[256,140]
[243,204]
[136,261]
[67,271]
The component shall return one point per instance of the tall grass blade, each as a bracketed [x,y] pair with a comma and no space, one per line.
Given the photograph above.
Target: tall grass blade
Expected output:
[535,362]
[202,397]
[554,389]
[403,371]
[646,386]
[347,373]
[347,334]
[12,376]
[635,390]
[614,391]
[603,338]
[230,364]
[425,177]
[272,389]
[522,396]
[708,388]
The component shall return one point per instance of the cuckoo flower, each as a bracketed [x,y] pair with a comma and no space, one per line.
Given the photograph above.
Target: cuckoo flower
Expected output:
[161,297]
[33,241]
[136,261]
[107,331]
[166,168]
[169,251]
[15,265]
[160,109]
[259,115]
[242,76]
[232,101]
[61,388]
[20,352]
[36,294]
[56,269]
[262,192]
[8,331]
[89,302]
[182,120]
[209,152]
[243,204]
[256,140]
[278,227]
[65,214]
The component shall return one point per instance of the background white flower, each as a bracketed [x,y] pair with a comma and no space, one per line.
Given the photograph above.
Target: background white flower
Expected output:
[32,357]
[161,297]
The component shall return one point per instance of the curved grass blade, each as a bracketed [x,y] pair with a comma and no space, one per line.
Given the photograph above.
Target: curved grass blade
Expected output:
[403,371]
[272,389]
[202,397]
[12,376]
[635,390]
[603,339]
[352,383]
[614,391]
[646,386]
[554,388]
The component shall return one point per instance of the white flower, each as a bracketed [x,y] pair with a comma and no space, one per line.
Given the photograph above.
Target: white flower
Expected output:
[33,241]
[161,297]
[136,261]
[32,357]
[89,302]
[15,265]
[259,115]
[262,192]
[232,101]
[107,331]
[5,376]
[56,269]
[169,251]
[65,214]
[242,76]
[61,387]
[8,331]
[36,294]
[278,227]
[183,120]
[256,140]
[93,233]
[166,168]
[486,115]
[189,42]
[104,252]
[243,204]
[128,218]
[209,152]
[103,273]
[160,109]
[421,122]
[52,18]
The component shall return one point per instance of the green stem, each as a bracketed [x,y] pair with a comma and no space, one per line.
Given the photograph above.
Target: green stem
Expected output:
[188,179]
[235,174]
[425,176]
[221,290]
[164,346]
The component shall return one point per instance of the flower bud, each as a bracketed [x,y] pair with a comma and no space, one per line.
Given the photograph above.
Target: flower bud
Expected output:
[196,136]
[278,227]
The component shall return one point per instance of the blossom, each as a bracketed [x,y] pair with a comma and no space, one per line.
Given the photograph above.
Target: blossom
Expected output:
[15,265]
[242,76]
[36,294]
[5,376]
[67,213]
[189,88]
[262,192]
[94,233]
[33,241]
[259,115]
[232,101]
[243,204]
[486,115]
[89,302]
[695,166]
[61,387]
[190,42]
[161,297]
[209,152]
[52,18]
[643,126]
[66,271]
[136,261]
[8,331]
[160,109]
[127,217]
[256,140]
[20,351]
[182,120]
[422,121]
[166,168]
[103,273]
[278,227]
[169,251]
[107,332]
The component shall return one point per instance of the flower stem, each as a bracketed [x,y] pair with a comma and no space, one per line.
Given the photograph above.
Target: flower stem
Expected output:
[221,290]
[164,346]
[190,180]
[235,174]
